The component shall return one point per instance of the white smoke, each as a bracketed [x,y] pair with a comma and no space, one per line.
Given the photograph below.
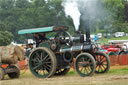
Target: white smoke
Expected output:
[71,9]
[91,9]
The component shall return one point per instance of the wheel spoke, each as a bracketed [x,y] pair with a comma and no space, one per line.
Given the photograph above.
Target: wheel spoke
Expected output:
[47,62]
[99,69]
[89,60]
[42,56]
[36,63]
[83,59]
[86,70]
[89,68]
[37,54]
[97,66]
[34,60]
[81,69]
[43,72]
[97,59]
[100,57]
[48,66]
[45,57]
[104,61]
[37,59]
[103,66]
[36,67]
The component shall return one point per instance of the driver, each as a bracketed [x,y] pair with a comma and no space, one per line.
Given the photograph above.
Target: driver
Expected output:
[39,38]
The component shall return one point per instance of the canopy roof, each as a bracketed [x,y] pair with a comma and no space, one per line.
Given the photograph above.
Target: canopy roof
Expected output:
[43,29]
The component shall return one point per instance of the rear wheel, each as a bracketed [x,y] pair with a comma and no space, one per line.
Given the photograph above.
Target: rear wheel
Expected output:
[42,62]
[15,74]
[1,73]
[102,62]
[85,64]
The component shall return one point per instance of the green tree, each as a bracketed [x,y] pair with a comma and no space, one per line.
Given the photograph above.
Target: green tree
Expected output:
[5,38]
[116,11]
[22,3]
[7,4]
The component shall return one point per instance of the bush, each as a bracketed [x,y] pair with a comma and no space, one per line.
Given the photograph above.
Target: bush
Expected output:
[5,38]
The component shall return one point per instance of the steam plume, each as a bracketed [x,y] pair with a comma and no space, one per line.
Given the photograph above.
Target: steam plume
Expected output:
[71,9]
[84,9]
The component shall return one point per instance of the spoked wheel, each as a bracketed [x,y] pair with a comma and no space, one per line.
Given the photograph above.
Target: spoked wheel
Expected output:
[1,73]
[62,71]
[42,62]
[102,62]
[15,74]
[85,64]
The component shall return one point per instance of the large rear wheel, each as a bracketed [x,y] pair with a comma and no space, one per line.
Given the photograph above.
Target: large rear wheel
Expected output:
[85,64]
[42,62]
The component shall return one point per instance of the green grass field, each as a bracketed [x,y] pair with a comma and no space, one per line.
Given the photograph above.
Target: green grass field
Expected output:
[115,70]
[105,40]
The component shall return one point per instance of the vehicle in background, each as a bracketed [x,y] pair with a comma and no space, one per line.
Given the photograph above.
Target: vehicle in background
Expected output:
[107,35]
[126,34]
[119,34]
[99,35]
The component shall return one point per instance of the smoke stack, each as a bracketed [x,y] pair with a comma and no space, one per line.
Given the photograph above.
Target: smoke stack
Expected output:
[85,26]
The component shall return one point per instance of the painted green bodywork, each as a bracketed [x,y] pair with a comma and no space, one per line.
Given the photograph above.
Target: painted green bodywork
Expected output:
[44,44]
[36,30]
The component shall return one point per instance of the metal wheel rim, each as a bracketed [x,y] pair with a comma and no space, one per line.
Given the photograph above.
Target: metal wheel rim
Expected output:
[84,70]
[38,67]
[102,64]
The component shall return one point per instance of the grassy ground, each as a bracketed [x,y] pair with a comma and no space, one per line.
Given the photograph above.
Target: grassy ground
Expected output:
[118,75]
[114,70]
[105,40]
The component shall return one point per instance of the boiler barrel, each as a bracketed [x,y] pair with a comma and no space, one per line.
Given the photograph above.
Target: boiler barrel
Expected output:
[77,48]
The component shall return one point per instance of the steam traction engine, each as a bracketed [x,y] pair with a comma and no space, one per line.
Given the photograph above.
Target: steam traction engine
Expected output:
[55,55]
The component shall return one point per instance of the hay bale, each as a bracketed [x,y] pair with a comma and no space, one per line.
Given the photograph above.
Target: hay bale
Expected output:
[11,54]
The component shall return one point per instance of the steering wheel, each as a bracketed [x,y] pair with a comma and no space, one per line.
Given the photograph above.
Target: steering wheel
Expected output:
[63,37]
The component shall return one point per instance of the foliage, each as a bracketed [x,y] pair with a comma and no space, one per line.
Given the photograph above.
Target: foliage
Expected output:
[25,14]
[116,10]
[5,38]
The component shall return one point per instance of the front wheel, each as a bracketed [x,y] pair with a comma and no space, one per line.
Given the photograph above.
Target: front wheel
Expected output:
[85,64]
[102,62]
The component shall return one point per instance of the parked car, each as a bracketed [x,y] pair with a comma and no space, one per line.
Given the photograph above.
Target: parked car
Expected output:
[107,35]
[99,35]
[119,34]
